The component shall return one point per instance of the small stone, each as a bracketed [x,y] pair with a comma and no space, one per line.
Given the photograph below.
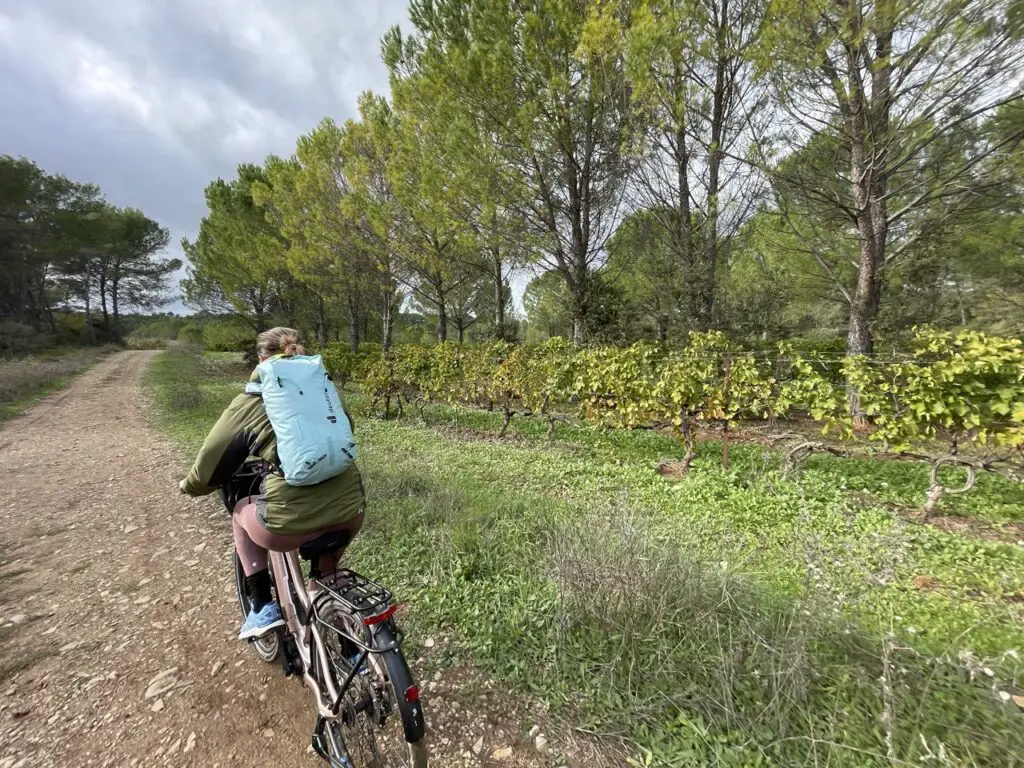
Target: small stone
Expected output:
[18,618]
[502,753]
[161,683]
[166,673]
[268,733]
[534,731]
[217,667]
[437,677]
[199,548]
[71,646]
[130,529]
[478,747]
[190,744]
[428,643]
[173,749]
[541,743]
[158,706]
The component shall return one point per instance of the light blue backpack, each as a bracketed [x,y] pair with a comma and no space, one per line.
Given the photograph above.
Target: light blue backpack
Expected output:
[314,436]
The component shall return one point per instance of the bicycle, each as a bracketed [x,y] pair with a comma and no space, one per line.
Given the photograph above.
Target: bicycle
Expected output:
[340,637]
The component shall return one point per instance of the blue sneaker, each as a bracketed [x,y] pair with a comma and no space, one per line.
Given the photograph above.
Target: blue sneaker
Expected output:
[259,623]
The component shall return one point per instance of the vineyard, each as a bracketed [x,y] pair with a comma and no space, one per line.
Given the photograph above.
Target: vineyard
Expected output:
[774,620]
[950,400]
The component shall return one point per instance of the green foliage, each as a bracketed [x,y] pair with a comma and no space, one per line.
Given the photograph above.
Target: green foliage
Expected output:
[226,336]
[191,334]
[63,245]
[345,365]
[235,261]
[732,618]
[967,386]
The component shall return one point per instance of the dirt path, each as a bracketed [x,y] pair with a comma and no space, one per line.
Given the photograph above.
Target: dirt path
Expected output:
[110,580]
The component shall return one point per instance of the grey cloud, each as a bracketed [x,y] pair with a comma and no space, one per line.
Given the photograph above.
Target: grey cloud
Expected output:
[151,99]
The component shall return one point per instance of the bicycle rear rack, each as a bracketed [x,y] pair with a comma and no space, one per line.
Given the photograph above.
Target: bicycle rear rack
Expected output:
[368,602]
[365,599]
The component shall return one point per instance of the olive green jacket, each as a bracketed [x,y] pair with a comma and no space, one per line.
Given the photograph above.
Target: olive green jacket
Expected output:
[244,431]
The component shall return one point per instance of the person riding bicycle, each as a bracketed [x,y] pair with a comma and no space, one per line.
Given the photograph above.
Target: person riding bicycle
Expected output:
[267,512]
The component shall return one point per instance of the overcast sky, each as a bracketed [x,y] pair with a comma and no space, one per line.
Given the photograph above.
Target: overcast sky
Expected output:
[152,99]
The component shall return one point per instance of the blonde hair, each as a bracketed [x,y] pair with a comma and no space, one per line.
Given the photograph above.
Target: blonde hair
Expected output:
[279,341]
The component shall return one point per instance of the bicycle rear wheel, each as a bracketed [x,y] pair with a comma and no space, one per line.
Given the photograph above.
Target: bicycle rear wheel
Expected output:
[380,723]
[267,647]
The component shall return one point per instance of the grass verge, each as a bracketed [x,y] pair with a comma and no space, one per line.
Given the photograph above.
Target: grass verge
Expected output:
[26,380]
[730,619]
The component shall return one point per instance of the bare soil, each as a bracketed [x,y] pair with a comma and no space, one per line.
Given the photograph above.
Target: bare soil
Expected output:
[112,585]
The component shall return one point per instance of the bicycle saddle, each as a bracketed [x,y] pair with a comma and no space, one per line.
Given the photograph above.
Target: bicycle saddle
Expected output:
[324,544]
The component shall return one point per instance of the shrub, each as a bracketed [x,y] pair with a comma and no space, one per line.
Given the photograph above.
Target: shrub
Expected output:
[227,336]
[191,333]
[21,377]
[145,342]
[17,338]
[344,364]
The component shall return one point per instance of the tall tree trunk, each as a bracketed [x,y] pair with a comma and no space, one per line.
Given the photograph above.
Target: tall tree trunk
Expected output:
[115,290]
[499,291]
[354,317]
[578,315]
[682,224]
[103,298]
[864,298]
[88,304]
[442,320]
[353,336]
[462,332]
[661,323]
[323,334]
[721,97]
[44,302]
[867,119]
[388,317]
[116,309]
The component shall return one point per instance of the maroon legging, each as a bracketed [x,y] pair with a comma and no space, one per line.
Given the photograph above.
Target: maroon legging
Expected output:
[252,540]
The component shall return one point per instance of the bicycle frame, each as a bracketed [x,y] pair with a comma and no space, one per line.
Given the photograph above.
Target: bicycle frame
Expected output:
[293,596]
[299,605]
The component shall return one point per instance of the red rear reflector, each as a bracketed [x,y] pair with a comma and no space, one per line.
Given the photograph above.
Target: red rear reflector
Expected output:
[384,615]
[412,694]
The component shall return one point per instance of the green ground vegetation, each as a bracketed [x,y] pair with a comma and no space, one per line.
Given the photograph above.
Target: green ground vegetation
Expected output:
[732,617]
